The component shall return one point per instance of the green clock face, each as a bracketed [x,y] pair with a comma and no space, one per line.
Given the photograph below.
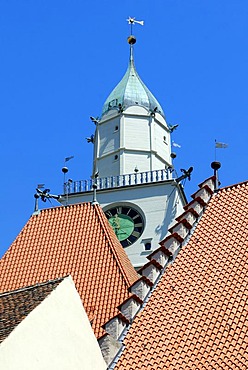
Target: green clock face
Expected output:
[126,222]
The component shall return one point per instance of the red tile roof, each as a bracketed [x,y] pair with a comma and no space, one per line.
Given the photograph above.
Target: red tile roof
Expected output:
[196,317]
[74,240]
[17,304]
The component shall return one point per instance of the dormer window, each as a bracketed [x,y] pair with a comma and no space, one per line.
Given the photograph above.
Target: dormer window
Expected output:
[113,103]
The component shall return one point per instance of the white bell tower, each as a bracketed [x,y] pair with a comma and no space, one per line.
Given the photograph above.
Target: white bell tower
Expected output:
[135,180]
[132,134]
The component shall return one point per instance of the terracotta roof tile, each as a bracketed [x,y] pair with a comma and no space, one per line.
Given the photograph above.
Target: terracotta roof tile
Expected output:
[196,318]
[17,304]
[78,241]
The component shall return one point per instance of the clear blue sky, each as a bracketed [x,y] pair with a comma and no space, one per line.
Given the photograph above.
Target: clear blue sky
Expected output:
[60,60]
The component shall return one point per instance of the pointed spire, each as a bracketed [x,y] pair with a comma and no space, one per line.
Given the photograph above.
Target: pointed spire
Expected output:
[131,90]
[131,40]
[131,54]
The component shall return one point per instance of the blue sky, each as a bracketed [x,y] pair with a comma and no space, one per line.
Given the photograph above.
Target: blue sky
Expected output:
[61,59]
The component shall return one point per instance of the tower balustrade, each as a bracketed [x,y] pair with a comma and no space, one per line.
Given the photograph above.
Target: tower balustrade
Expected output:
[112,182]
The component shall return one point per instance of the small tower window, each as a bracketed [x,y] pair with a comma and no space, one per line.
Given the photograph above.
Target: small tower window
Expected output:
[116,128]
[116,157]
[148,246]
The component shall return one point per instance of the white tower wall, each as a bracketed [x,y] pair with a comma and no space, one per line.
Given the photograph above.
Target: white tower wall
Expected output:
[129,139]
[132,156]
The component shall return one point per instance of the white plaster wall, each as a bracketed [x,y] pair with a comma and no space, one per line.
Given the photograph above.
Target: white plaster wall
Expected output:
[109,137]
[109,114]
[138,140]
[108,165]
[137,133]
[56,335]
[139,159]
[161,146]
[137,109]
[158,164]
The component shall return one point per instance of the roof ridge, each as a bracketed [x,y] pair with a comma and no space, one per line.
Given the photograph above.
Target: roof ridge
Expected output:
[233,185]
[30,287]
[151,272]
[16,305]
[107,231]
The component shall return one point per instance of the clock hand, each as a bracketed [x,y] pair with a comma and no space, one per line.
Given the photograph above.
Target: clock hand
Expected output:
[116,225]
[116,221]
[121,231]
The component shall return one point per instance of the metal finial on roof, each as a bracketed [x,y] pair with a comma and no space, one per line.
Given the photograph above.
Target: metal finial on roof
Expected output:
[94,201]
[216,166]
[36,205]
[69,181]
[132,39]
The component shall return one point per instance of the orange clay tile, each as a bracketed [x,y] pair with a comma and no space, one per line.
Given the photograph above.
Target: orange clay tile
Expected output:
[74,240]
[196,317]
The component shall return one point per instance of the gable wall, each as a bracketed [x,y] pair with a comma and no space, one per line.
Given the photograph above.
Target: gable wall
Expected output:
[55,335]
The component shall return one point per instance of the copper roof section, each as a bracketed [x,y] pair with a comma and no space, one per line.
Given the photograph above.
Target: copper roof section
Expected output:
[75,240]
[17,304]
[196,317]
[131,90]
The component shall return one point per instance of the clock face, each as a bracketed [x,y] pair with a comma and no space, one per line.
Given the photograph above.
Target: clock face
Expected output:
[126,222]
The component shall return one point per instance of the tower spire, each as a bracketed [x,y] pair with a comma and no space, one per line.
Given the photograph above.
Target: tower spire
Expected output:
[132,39]
[131,91]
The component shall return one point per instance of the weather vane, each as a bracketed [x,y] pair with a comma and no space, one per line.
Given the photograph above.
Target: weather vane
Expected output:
[219,145]
[132,21]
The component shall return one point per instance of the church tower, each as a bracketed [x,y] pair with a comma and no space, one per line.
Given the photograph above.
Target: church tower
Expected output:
[132,134]
[132,167]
